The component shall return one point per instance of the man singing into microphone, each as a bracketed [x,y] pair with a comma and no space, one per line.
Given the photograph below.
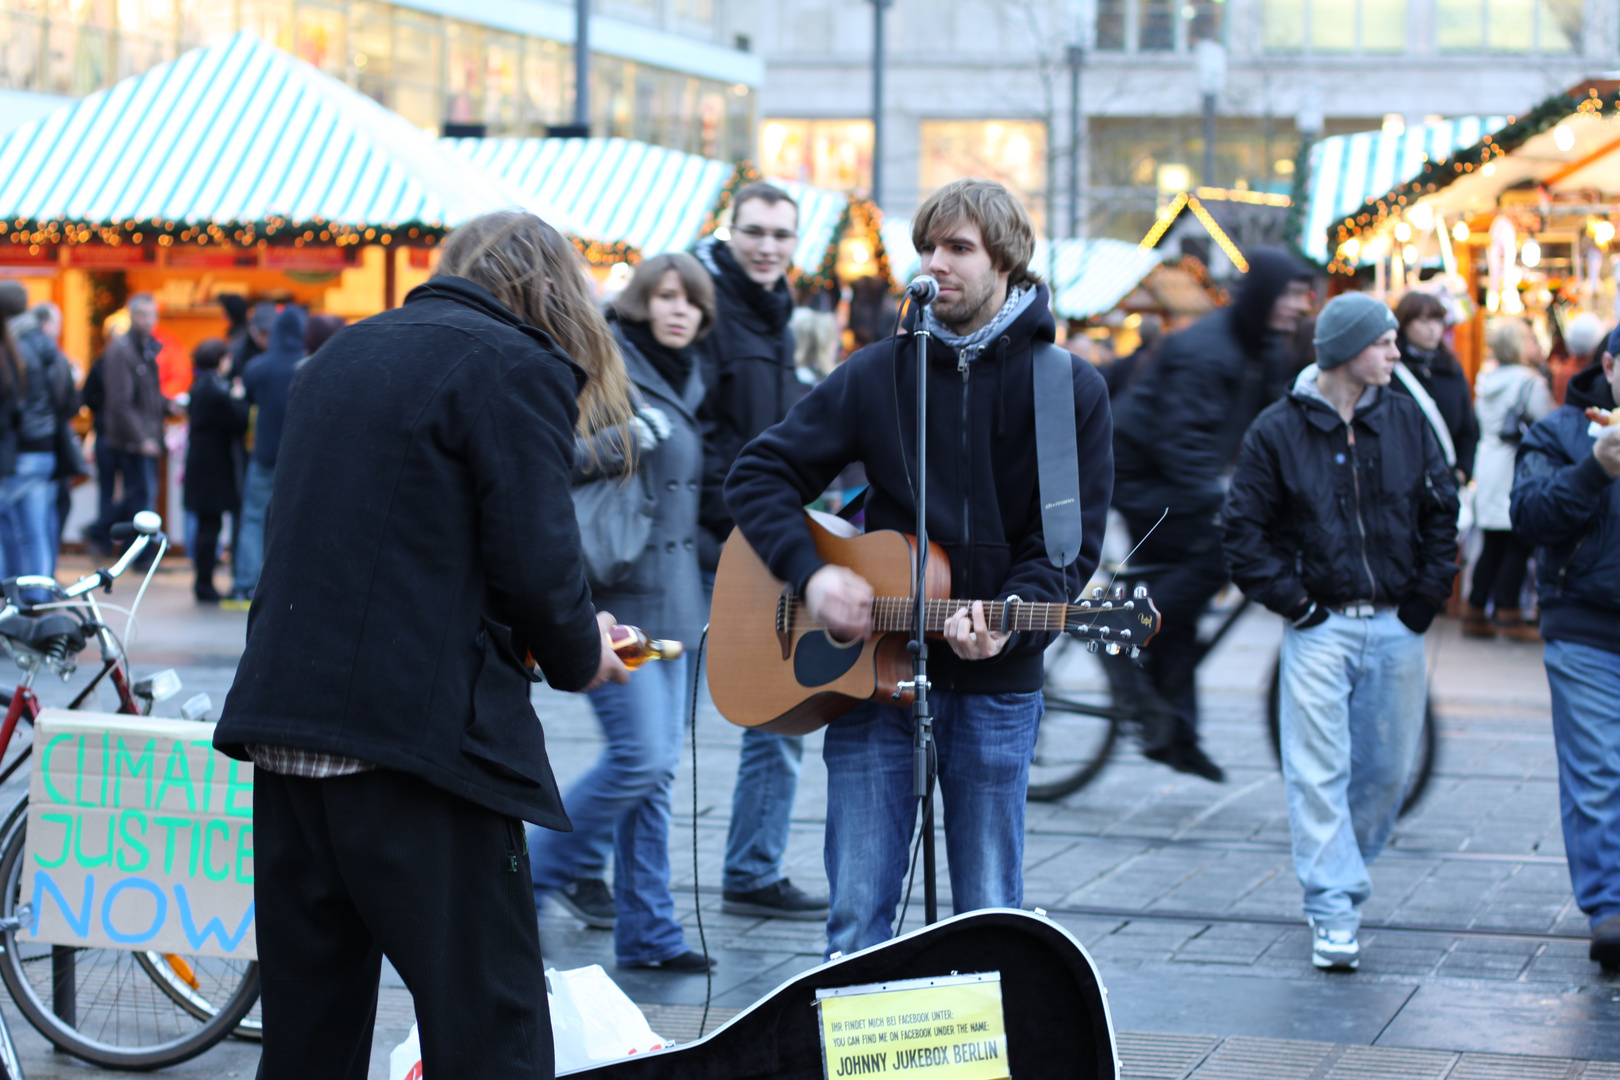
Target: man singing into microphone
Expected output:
[984,509]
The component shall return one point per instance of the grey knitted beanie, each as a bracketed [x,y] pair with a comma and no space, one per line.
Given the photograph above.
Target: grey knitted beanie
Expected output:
[1349,323]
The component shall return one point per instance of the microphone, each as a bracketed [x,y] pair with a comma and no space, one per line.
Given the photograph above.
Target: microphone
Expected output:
[923,289]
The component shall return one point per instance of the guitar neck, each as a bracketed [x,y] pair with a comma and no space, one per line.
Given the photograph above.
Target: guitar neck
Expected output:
[893,614]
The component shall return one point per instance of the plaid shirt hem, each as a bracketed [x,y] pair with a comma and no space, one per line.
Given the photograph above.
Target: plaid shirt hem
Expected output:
[306,764]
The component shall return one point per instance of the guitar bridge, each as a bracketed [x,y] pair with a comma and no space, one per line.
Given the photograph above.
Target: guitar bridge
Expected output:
[784,614]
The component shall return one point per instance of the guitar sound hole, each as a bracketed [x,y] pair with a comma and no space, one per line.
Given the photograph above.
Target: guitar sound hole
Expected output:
[819,660]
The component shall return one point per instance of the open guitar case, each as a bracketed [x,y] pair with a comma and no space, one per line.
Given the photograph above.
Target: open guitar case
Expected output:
[1055,1008]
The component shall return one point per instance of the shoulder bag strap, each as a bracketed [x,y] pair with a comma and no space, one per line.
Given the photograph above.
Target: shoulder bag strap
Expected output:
[1056,452]
[1430,410]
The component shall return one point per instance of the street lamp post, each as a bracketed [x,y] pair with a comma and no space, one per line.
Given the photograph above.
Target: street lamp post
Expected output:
[878,7]
[1077,59]
[582,65]
[1211,58]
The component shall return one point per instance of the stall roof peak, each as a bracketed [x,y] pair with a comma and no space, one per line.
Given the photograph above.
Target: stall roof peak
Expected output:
[237,133]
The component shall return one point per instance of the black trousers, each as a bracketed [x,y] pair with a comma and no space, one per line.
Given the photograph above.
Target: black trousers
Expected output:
[206,555]
[1189,546]
[1499,573]
[353,868]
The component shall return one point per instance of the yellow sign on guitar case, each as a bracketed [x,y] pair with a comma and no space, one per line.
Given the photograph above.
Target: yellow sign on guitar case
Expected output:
[946,1028]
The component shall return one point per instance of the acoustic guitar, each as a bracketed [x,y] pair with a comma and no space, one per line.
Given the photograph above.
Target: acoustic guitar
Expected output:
[773,666]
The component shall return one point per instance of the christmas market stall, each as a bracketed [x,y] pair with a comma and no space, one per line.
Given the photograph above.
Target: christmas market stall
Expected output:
[1519,223]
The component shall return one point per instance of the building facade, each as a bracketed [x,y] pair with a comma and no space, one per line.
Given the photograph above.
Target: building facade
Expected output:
[678,73]
[985,87]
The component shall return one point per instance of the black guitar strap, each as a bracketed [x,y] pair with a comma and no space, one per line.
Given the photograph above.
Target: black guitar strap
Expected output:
[1056,454]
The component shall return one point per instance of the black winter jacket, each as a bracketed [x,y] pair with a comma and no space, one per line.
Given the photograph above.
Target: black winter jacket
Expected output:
[1441,375]
[1178,427]
[1566,504]
[217,422]
[268,381]
[1316,515]
[748,375]
[983,495]
[421,539]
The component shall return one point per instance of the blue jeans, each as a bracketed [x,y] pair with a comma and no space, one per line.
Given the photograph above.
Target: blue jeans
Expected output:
[28,514]
[985,742]
[761,809]
[1585,685]
[624,800]
[248,558]
[1353,693]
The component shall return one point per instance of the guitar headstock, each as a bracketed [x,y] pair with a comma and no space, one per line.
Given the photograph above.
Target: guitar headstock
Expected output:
[1115,622]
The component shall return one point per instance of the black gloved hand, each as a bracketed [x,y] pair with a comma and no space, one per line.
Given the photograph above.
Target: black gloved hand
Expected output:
[1306,614]
[1416,614]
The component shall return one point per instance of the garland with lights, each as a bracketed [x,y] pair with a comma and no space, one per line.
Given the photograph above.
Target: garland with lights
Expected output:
[744,174]
[1441,172]
[1294,224]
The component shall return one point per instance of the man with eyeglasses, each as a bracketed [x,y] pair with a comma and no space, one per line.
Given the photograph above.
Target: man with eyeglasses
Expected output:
[747,365]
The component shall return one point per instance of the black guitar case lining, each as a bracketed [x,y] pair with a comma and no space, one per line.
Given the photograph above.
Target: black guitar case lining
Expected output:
[1055,1008]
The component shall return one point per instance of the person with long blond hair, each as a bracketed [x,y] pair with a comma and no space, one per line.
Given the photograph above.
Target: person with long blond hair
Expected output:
[422,554]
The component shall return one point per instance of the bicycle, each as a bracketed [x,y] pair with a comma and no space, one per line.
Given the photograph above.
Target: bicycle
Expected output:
[110,1007]
[1092,701]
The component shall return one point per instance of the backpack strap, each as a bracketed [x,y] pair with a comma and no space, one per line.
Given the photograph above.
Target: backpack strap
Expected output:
[1056,452]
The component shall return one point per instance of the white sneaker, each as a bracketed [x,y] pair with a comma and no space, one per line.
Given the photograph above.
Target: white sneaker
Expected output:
[1335,950]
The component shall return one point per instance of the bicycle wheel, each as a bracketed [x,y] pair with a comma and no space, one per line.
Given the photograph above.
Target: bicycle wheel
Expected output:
[107,1006]
[1081,722]
[1422,769]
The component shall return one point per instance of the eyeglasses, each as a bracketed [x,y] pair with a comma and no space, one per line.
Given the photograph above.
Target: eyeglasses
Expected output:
[756,234]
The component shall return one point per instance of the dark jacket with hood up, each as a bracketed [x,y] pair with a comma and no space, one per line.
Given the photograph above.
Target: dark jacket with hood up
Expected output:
[421,540]
[1333,512]
[1566,504]
[748,375]
[268,381]
[1178,428]
[983,495]
[1440,374]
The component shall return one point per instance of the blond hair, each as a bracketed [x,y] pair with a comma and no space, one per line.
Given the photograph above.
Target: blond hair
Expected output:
[538,276]
[1508,339]
[1008,232]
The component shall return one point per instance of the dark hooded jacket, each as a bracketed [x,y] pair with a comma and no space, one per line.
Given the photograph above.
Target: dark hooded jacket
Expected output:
[1440,374]
[983,496]
[1565,503]
[421,540]
[1318,513]
[268,381]
[747,369]
[1178,428]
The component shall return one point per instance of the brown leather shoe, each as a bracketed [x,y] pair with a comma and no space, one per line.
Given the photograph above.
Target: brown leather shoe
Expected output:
[1509,623]
[1475,624]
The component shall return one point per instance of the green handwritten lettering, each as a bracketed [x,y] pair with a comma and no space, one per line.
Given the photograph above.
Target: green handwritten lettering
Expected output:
[208,842]
[45,770]
[244,851]
[78,846]
[66,820]
[137,766]
[177,773]
[104,769]
[232,786]
[130,841]
[171,825]
[78,781]
[209,758]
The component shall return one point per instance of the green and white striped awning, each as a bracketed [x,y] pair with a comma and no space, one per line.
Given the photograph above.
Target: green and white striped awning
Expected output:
[243,133]
[1347,170]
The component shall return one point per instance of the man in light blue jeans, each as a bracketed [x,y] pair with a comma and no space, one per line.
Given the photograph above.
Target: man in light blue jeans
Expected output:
[1342,518]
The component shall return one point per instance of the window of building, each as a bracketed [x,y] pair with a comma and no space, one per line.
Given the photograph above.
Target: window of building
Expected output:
[1010,151]
[1509,26]
[1333,26]
[1156,25]
[548,84]
[1459,26]
[1282,25]
[1383,26]
[1110,25]
[1205,20]
[22,49]
[271,20]
[1561,26]
[834,154]
[695,11]
[371,50]
[463,72]
[318,37]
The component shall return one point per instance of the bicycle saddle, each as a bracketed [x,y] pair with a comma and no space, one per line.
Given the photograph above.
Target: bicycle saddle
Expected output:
[36,630]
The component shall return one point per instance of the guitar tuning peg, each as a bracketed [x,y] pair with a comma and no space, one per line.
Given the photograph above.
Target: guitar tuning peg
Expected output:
[1097,593]
[1119,592]
[1140,592]
[1112,649]
[1091,646]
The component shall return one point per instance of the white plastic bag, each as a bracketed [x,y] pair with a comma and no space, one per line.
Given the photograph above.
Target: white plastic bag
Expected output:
[405,1062]
[593,1021]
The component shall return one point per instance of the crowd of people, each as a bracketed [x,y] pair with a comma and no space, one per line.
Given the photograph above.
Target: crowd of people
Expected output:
[438,506]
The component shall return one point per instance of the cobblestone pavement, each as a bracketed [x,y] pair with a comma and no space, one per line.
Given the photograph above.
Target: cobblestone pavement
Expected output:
[1181,891]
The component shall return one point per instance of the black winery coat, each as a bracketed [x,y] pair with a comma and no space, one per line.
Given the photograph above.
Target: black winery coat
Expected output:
[217,421]
[421,538]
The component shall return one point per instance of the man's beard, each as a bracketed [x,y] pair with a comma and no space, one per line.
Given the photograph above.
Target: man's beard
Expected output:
[961,313]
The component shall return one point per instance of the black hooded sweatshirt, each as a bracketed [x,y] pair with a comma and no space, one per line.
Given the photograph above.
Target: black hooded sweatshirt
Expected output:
[983,493]
[1178,428]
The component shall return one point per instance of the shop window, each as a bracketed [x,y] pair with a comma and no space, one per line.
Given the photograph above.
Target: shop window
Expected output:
[1333,26]
[1510,25]
[548,84]
[1383,26]
[503,64]
[835,154]
[1010,151]
[1110,25]
[22,49]
[416,49]
[463,72]
[1204,20]
[318,37]
[270,19]
[78,59]
[1459,25]
[1282,25]
[1156,30]
[695,11]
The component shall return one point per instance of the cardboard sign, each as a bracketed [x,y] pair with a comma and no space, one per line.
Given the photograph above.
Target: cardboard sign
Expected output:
[947,1028]
[140,836]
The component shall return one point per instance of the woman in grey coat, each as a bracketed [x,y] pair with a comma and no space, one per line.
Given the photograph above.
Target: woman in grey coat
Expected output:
[623,803]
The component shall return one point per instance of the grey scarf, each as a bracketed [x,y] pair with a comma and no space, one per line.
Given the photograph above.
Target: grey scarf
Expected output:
[968,347]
